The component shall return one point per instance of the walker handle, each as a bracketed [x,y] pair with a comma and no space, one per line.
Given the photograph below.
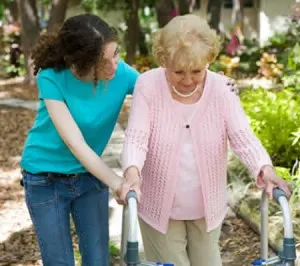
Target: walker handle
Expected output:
[277,193]
[288,253]
[131,194]
[130,219]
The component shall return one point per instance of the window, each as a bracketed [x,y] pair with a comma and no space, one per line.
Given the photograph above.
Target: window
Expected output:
[247,3]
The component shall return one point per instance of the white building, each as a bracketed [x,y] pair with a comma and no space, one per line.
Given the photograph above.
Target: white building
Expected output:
[261,17]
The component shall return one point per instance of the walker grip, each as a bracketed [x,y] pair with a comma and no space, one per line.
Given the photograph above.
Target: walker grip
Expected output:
[277,193]
[131,194]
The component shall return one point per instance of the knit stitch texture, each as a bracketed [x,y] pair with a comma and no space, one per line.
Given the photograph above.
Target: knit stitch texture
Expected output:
[154,137]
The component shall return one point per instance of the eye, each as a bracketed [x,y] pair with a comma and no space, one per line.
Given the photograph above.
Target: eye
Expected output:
[116,52]
[179,72]
[196,71]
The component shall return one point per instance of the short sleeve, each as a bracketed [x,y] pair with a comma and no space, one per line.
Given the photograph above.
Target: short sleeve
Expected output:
[47,83]
[132,75]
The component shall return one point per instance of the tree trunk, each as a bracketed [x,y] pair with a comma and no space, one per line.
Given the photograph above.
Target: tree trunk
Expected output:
[29,32]
[132,32]
[142,42]
[184,7]
[214,13]
[238,13]
[57,14]
[164,10]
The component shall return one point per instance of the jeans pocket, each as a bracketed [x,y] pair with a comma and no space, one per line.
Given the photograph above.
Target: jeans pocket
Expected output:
[39,190]
[99,184]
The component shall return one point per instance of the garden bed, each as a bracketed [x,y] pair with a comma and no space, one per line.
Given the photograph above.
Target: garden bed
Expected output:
[244,199]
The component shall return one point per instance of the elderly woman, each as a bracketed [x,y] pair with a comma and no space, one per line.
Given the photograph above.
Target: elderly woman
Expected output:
[181,117]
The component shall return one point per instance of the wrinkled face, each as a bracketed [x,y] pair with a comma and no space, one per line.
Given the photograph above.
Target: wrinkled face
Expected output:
[109,61]
[186,80]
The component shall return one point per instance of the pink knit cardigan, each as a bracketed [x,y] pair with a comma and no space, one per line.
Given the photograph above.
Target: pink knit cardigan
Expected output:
[154,138]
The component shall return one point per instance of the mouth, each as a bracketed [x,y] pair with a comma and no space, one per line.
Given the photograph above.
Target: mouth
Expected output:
[110,73]
[187,89]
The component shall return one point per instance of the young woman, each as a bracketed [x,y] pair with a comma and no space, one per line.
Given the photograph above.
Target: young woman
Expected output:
[82,85]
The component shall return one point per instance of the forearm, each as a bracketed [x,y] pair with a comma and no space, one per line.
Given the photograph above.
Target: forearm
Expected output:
[95,165]
[250,150]
[73,138]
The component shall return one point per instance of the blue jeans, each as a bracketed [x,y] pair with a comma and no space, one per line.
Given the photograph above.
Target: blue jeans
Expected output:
[51,201]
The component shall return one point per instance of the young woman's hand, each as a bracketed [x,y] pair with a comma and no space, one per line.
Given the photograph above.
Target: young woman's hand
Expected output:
[121,193]
[272,180]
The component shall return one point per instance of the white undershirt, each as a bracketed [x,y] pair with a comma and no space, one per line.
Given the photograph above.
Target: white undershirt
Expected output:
[188,195]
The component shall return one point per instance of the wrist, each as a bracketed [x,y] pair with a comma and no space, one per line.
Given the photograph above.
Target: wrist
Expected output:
[116,184]
[132,172]
[267,171]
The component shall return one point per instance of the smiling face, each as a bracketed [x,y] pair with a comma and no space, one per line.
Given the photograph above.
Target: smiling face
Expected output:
[186,80]
[184,47]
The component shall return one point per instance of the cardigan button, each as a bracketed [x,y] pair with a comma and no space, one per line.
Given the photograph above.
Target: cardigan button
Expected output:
[187,126]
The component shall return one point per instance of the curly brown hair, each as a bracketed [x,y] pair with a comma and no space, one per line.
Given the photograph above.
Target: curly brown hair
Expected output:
[78,43]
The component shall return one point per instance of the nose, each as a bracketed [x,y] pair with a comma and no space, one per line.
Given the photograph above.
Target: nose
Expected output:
[115,64]
[112,66]
[187,80]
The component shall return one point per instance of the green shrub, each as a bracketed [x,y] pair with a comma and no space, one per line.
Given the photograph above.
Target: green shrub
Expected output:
[275,119]
[291,77]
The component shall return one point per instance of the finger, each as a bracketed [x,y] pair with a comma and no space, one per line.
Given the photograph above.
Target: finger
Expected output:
[119,201]
[269,190]
[125,189]
[285,189]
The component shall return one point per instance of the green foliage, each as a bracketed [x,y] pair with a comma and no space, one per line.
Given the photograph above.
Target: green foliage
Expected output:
[113,249]
[247,56]
[108,5]
[3,4]
[13,60]
[144,63]
[89,6]
[275,119]
[291,77]
[2,9]
[249,53]
[254,59]
[279,42]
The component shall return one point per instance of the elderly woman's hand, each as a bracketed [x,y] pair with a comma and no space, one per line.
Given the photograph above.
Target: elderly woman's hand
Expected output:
[272,180]
[131,182]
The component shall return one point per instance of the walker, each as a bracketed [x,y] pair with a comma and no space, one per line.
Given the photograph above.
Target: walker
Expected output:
[130,245]
[287,255]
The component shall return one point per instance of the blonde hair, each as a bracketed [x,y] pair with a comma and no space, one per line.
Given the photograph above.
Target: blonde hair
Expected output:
[186,42]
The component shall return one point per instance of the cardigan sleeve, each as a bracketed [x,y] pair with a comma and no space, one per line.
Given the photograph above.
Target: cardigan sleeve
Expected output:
[138,130]
[242,140]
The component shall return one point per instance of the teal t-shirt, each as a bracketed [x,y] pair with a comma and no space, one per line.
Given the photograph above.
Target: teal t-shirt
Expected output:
[95,111]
